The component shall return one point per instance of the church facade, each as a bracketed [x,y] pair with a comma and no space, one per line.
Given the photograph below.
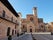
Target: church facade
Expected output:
[32,23]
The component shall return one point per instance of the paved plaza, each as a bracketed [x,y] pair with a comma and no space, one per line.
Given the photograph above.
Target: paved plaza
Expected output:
[43,36]
[28,36]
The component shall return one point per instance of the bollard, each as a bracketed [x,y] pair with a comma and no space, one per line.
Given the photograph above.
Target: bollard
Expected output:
[9,37]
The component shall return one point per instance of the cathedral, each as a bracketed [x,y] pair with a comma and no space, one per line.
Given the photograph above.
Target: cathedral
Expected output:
[32,23]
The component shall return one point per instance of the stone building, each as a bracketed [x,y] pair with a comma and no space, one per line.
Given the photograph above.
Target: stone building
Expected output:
[41,25]
[9,19]
[24,25]
[32,22]
[19,21]
[49,27]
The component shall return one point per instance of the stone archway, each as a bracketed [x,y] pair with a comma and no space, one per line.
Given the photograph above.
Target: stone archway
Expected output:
[30,30]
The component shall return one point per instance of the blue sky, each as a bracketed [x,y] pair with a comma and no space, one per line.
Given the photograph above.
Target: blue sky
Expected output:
[44,8]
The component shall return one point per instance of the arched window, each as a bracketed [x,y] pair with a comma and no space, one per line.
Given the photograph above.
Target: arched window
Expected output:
[8,31]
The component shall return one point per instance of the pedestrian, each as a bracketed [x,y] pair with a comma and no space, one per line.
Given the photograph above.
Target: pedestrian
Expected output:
[9,37]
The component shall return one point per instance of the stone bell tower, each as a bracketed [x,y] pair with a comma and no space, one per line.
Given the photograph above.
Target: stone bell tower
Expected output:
[35,11]
[35,18]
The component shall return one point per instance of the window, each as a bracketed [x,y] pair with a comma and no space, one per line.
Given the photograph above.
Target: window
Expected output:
[31,19]
[3,13]
[15,26]
[12,19]
[23,26]
[15,31]
[41,26]
[0,31]
[30,26]
[8,31]
[12,32]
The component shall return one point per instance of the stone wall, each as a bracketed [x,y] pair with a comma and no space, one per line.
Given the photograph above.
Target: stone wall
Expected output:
[9,20]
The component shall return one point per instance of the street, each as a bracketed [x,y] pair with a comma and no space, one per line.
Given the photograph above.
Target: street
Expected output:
[28,36]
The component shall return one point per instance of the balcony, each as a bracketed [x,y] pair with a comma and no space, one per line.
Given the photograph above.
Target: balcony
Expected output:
[7,18]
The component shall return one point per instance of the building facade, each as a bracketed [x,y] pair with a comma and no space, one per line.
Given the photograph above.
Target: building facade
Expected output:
[32,23]
[19,21]
[41,25]
[49,27]
[9,20]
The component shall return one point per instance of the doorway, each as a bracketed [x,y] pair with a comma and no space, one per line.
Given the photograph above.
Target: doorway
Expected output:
[12,32]
[8,31]
[30,30]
